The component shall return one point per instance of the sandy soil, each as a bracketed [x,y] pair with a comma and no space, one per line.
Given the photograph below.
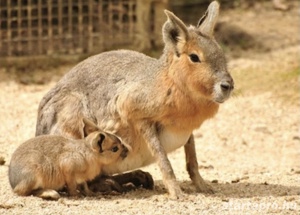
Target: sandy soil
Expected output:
[249,153]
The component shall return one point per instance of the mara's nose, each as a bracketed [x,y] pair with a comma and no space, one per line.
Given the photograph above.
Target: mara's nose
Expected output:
[227,86]
[124,152]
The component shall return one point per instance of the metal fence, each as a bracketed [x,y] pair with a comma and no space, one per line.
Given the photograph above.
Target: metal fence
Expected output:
[46,27]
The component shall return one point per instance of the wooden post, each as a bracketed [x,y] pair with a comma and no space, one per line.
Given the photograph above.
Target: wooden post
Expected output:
[100,25]
[29,30]
[40,28]
[19,29]
[90,26]
[60,24]
[159,18]
[142,39]
[9,20]
[80,27]
[69,36]
[50,30]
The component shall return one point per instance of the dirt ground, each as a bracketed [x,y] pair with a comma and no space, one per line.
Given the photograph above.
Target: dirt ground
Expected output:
[249,153]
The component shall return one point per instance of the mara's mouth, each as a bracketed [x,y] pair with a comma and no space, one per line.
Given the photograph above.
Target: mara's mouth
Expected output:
[221,98]
[219,101]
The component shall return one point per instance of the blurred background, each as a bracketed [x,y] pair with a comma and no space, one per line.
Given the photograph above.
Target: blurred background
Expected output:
[41,34]
[249,152]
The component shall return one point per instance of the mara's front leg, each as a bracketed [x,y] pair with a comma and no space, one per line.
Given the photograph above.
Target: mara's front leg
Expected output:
[150,135]
[192,167]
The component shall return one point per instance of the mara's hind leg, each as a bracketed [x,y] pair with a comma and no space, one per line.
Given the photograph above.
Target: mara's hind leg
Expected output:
[71,184]
[24,187]
[61,114]
[192,167]
[46,117]
[69,117]
[47,194]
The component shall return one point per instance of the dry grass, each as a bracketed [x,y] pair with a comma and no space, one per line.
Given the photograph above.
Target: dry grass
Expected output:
[277,73]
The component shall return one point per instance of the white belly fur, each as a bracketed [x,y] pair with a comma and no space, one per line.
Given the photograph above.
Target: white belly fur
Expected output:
[173,140]
[169,139]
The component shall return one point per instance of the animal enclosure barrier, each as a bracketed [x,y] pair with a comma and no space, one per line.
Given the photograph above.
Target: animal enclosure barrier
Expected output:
[47,27]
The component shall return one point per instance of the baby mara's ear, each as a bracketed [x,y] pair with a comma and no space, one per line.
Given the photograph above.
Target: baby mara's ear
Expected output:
[97,140]
[100,141]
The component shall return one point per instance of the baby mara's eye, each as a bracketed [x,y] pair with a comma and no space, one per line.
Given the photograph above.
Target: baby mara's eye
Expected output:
[194,58]
[115,149]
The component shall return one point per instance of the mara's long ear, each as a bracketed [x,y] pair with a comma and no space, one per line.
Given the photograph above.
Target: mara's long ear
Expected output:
[207,23]
[175,32]
[96,141]
[88,127]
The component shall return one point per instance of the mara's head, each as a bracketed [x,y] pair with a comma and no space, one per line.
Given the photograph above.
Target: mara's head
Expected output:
[108,146]
[197,62]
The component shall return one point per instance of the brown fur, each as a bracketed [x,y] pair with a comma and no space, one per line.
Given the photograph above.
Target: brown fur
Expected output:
[44,164]
[152,104]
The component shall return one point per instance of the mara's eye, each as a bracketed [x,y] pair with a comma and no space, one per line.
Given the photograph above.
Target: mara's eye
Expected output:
[194,58]
[115,149]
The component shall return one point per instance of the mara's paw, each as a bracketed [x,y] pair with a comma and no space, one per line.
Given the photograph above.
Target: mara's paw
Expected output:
[176,194]
[134,179]
[142,179]
[204,188]
[47,194]
[106,185]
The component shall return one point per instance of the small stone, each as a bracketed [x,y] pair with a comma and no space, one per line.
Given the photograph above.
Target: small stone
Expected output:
[61,201]
[206,167]
[225,200]
[215,181]
[265,183]
[235,181]
[263,129]
[284,193]
[198,135]
[296,137]
[67,202]
[297,171]
[244,142]
[2,161]
[244,177]
[5,206]
[290,198]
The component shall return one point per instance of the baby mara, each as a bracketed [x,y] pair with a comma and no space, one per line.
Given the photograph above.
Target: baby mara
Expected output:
[43,165]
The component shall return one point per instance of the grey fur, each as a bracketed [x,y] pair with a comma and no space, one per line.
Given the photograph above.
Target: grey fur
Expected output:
[153,105]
